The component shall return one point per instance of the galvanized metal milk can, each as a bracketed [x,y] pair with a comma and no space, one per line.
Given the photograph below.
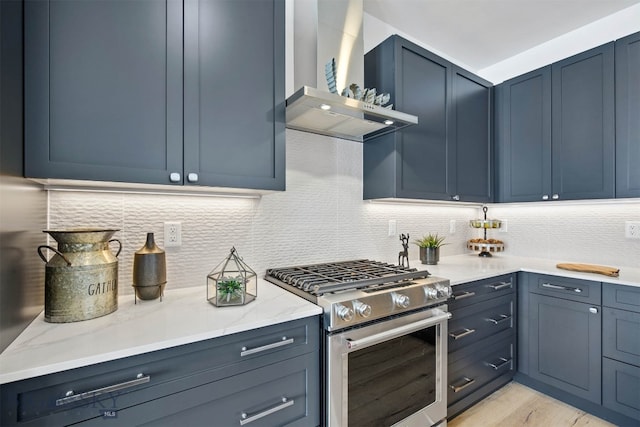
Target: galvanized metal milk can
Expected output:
[81,279]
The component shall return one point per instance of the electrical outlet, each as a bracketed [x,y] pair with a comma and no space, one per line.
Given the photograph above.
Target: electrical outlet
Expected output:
[452,226]
[504,226]
[632,229]
[172,233]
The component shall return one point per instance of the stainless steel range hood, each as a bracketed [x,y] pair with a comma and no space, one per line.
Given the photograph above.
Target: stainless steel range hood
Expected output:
[333,29]
[313,110]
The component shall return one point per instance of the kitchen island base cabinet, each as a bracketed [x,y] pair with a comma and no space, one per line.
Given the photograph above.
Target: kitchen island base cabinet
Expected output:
[271,374]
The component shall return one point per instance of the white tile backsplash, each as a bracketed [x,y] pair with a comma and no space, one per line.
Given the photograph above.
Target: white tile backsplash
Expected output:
[321,217]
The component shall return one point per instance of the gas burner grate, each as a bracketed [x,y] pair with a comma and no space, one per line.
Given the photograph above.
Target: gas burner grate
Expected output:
[318,279]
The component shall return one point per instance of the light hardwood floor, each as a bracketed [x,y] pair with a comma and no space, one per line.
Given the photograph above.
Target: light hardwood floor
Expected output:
[517,405]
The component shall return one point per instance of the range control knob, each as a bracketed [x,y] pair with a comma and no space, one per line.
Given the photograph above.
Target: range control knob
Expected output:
[430,292]
[443,291]
[400,300]
[362,309]
[344,313]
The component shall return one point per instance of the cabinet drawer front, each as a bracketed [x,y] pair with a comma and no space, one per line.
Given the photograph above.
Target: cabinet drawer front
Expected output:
[285,393]
[621,387]
[73,395]
[624,297]
[621,335]
[567,288]
[478,368]
[479,321]
[473,292]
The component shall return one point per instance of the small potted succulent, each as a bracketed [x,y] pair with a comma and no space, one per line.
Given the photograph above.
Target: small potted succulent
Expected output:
[430,248]
[230,290]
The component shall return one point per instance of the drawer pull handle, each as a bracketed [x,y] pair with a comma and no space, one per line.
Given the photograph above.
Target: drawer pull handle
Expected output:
[501,285]
[246,418]
[503,362]
[562,288]
[462,295]
[71,397]
[467,383]
[464,333]
[503,318]
[247,352]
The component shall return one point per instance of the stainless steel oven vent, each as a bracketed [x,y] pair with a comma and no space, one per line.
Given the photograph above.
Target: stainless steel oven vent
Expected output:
[325,113]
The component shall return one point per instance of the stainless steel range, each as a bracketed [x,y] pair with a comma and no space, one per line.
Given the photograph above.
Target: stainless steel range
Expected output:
[385,349]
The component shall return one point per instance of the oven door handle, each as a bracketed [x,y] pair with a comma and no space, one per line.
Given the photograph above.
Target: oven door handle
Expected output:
[397,332]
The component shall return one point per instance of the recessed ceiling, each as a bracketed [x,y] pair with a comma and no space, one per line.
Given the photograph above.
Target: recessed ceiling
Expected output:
[480,33]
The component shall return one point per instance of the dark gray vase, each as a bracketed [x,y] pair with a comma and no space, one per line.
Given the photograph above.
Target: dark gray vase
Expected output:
[429,256]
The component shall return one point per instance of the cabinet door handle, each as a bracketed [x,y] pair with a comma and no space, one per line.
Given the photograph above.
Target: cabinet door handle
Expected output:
[562,288]
[71,397]
[545,197]
[503,318]
[174,177]
[463,295]
[192,177]
[501,285]
[456,197]
[246,418]
[467,383]
[464,333]
[500,365]
[593,310]
[246,352]
[555,197]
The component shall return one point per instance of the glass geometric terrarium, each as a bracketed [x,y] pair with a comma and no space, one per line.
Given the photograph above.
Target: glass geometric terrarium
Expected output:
[232,282]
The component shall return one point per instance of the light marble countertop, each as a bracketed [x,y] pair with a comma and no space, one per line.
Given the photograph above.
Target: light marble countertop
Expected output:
[183,316]
[466,268]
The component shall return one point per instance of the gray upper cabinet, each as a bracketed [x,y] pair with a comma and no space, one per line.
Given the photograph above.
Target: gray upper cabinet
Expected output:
[627,116]
[446,156]
[523,133]
[583,125]
[103,90]
[472,174]
[135,91]
[556,136]
[234,105]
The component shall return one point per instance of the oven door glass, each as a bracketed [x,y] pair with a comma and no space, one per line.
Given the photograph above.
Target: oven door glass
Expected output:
[392,380]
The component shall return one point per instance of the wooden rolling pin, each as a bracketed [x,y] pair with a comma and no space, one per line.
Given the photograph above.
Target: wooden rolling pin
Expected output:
[590,268]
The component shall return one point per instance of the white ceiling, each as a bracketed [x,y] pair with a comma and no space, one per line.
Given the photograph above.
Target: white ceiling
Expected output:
[480,33]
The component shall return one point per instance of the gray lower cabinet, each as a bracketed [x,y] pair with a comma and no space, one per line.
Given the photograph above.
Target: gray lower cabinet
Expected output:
[448,154]
[627,113]
[482,338]
[269,376]
[579,342]
[621,350]
[565,341]
[148,91]
[556,130]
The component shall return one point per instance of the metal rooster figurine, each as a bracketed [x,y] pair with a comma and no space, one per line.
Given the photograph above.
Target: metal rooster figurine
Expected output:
[404,254]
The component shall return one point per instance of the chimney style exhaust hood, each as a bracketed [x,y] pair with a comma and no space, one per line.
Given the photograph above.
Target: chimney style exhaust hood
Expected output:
[324,30]
[313,110]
